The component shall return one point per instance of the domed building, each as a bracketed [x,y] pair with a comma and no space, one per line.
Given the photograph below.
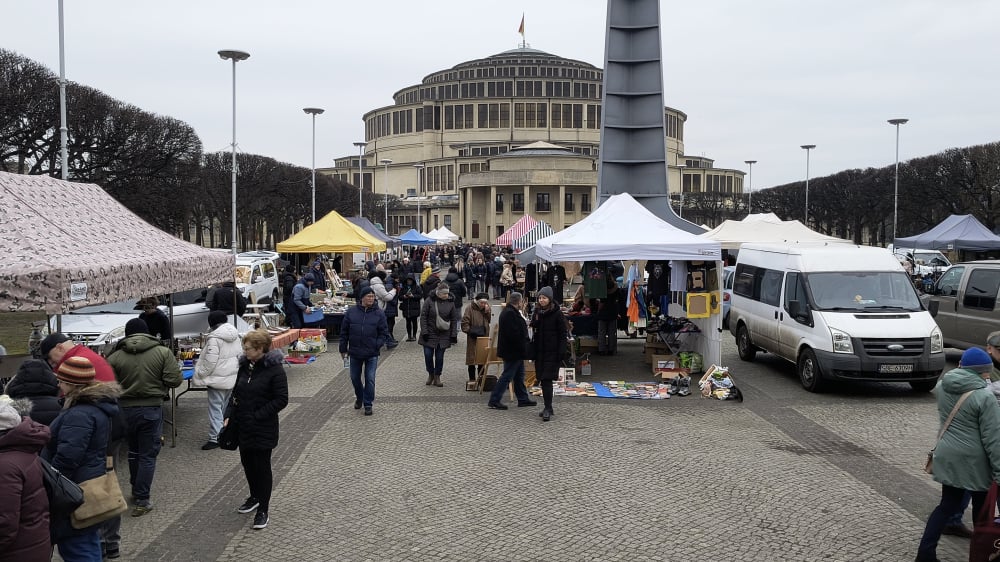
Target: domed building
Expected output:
[479,145]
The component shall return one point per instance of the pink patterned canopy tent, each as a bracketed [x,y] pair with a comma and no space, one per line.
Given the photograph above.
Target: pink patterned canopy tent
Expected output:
[68,245]
[516,230]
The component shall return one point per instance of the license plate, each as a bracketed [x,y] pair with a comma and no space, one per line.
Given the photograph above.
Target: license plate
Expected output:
[892,368]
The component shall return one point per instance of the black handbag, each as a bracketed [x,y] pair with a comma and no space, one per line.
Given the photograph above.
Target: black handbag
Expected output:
[477,332]
[64,494]
[229,437]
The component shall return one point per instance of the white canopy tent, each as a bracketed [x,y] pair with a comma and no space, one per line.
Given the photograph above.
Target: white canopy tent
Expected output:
[762,228]
[622,229]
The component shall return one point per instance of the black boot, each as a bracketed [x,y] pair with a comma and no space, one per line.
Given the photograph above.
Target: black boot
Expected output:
[472,373]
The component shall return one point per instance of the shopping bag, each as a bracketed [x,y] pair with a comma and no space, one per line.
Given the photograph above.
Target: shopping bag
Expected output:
[985,546]
[102,500]
[311,317]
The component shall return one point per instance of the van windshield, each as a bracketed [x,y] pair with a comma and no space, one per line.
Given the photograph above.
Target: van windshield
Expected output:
[866,291]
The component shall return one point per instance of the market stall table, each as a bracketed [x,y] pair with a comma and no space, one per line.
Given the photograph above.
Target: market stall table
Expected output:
[332,322]
[188,373]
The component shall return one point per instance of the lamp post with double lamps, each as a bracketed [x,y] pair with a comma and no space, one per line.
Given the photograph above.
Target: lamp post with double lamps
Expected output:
[807,148]
[361,176]
[385,162]
[314,111]
[895,191]
[235,56]
[420,222]
[750,185]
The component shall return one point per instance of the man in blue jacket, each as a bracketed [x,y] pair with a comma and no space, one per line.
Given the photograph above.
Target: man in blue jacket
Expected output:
[362,335]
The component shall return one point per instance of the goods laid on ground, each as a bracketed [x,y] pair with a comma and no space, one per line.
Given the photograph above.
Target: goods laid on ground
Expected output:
[718,384]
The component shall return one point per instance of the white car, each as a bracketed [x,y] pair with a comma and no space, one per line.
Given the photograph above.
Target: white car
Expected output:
[101,326]
[257,276]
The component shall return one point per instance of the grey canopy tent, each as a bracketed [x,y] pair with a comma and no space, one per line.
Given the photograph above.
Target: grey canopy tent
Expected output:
[374,231]
[957,232]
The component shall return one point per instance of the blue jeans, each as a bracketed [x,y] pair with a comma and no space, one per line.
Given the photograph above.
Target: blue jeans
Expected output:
[434,360]
[951,501]
[512,370]
[81,546]
[364,393]
[216,408]
[145,426]
[956,520]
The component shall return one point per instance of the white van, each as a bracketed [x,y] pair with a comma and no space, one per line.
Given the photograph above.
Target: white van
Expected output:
[837,312]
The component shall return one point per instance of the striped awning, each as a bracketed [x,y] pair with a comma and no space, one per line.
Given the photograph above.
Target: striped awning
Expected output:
[528,239]
[523,225]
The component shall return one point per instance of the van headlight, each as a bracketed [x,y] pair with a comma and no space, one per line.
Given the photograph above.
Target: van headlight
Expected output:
[841,342]
[937,340]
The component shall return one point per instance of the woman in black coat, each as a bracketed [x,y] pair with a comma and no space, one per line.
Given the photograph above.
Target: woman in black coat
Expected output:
[549,338]
[36,382]
[261,392]
[439,304]
[409,306]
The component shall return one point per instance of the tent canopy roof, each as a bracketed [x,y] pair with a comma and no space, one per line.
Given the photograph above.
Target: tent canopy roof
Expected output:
[69,245]
[414,238]
[960,232]
[622,229]
[372,230]
[762,228]
[516,230]
[332,233]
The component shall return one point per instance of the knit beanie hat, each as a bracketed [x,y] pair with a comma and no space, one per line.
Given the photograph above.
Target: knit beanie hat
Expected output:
[366,290]
[545,292]
[216,318]
[9,416]
[76,370]
[977,360]
[136,326]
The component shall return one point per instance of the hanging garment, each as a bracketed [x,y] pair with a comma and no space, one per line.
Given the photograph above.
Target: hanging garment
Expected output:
[658,282]
[595,279]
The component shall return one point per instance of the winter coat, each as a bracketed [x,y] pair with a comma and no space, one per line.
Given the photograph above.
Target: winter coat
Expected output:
[430,336]
[392,307]
[220,359]
[261,391]
[475,316]
[457,288]
[549,328]
[145,369]
[409,298]
[223,299]
[428,287]
[320,277]
[363,332]
[36,382]
[288,281]
[479,271]
[507,276]
[425,274]
[80,439]
[300,295]
[512,335]
[158,324]
[24,515]
[968,455]
[382,295]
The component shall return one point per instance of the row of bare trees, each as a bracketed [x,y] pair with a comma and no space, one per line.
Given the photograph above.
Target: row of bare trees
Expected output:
[858,204]
[155,165]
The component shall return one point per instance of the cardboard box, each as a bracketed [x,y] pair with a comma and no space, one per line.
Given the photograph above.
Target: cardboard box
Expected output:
[667,366]
[588,342]
[482,350]
[656,348]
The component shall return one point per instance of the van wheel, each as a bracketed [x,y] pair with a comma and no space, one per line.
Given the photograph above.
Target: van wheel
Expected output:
[810,374]
[747,351]
[923,386]
[274,300]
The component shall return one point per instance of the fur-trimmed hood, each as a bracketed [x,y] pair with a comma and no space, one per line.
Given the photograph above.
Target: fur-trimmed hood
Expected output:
[97,394]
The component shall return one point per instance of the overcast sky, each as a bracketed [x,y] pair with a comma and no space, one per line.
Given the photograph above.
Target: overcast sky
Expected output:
[756,78]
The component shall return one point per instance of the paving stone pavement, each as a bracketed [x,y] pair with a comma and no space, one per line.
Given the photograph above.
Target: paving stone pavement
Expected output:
[436,475]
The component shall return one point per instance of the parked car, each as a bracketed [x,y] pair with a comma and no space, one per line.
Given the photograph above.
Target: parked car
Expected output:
[257,276]
[728,273]
[963,302]
[925,262]
[102,325]
[836,312]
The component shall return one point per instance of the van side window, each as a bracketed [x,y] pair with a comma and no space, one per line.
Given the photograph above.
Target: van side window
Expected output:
[981,291]
[770,287]
[795,289]
[268,268]
[743,281]
[947,285]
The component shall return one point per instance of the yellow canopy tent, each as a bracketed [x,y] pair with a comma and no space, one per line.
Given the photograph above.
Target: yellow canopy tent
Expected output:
[332,233]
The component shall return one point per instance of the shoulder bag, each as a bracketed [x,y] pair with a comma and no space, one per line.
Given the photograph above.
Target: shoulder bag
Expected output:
[440,323]
[929,465]
[229,436]
[102,497]
[64,494]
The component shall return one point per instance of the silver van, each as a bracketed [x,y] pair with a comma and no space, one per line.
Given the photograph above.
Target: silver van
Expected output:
[963,302]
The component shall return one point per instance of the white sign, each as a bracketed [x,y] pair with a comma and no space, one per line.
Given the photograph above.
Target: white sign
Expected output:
[77,292]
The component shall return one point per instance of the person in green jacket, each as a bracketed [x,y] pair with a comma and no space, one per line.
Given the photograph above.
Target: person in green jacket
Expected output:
[993,349]
[967,457]
[146,371]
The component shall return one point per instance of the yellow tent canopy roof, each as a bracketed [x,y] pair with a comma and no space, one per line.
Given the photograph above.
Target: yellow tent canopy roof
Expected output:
[332,233]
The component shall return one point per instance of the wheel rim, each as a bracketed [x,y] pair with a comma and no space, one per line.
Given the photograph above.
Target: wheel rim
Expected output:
[744,341]
[807,372]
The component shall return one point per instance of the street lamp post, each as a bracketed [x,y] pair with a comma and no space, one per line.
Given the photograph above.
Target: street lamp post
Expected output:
[234,56]
[63,129]
[361,176]
[750,186]
[385,226]
[895,191]
[807,147]
[314,111]
[420,190]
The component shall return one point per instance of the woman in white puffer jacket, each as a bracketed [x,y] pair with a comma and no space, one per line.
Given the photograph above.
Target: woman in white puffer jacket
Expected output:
[216,369]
